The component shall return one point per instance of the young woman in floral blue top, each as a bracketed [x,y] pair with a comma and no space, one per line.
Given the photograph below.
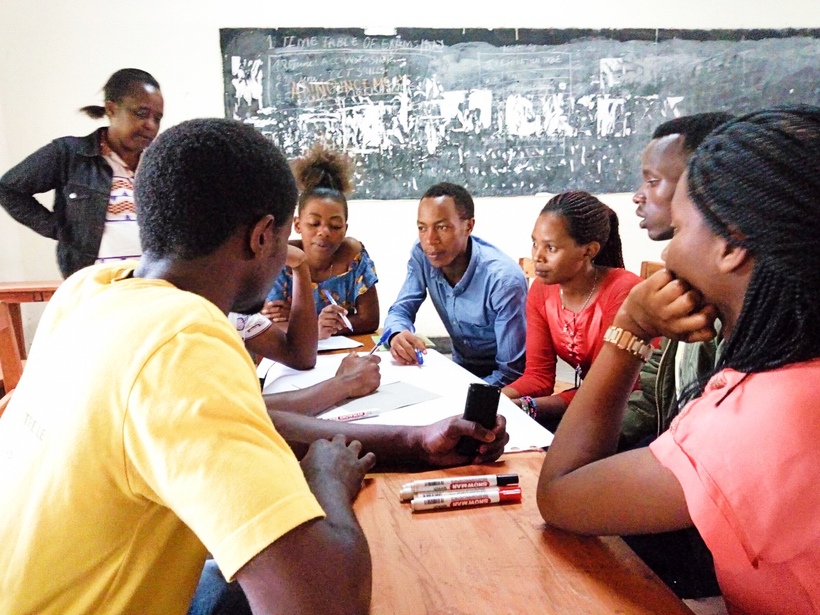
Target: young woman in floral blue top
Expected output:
[338,264]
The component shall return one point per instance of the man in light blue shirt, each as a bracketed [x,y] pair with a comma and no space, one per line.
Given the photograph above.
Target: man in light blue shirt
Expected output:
[478,291]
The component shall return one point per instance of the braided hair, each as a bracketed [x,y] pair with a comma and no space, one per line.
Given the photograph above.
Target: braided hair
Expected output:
[756,181]
[588,219]
[118,86]
[324,174]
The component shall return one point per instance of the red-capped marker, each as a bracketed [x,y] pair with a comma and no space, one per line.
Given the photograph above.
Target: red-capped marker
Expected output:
[456,483]
[463,499]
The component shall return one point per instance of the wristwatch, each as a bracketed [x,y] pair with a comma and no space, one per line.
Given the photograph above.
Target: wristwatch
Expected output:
[628,341]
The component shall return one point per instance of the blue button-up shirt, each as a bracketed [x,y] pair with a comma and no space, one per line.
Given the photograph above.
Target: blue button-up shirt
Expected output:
[484,313]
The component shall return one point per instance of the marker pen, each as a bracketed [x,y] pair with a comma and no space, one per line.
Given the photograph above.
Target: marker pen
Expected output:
[354,416]
[462,499]
[457,483]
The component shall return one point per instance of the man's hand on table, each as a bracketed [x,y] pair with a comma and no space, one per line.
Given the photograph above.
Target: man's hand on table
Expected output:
[438,441]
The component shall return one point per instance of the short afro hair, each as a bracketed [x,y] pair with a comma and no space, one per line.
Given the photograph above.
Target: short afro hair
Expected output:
[694,128]
[202,180]
[461,198]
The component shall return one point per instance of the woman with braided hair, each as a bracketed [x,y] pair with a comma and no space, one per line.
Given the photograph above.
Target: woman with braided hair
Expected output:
[339,265]
[581,282]
[741,461]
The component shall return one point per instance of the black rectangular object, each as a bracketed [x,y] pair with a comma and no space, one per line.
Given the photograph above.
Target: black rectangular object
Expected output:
[482,407]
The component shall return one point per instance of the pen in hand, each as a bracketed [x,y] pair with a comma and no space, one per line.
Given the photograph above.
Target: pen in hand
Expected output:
[333,302]
[382,341]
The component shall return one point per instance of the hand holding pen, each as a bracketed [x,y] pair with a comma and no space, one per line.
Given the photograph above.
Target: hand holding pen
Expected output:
[358,375]
[333,318]
[408,349]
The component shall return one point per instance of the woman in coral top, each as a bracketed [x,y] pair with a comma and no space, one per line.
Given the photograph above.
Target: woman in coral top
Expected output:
[741,461]
[581,282]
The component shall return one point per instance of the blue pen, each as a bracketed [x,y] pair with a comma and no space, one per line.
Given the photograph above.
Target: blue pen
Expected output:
[333,301]
[382,341]
[419,357]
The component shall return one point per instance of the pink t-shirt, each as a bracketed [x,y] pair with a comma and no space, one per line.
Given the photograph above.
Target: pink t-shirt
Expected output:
[750,471]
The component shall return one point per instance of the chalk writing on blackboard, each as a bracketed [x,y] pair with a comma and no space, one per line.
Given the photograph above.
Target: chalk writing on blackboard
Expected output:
[503,112]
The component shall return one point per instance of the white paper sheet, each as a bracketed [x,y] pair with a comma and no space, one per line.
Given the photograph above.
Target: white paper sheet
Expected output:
[438,375]
[389,396]
[338,342]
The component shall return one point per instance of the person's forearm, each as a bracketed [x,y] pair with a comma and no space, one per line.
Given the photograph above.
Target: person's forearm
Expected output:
[402,314]
[399,320]
[591,425]
[390,443]
[362,324]
[589,430]
[346,560]
[309,401]
[551,406]
[27,210]
[40,172]
[508,304]
[366,317]
[334,548]
[302,334]
[510,392]
[344,566]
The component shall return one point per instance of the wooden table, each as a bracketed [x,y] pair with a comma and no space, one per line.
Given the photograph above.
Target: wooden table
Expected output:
[498,559]
[15,293]
[366,340]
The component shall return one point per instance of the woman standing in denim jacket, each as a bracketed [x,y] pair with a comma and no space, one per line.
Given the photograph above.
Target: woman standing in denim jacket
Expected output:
[93,218]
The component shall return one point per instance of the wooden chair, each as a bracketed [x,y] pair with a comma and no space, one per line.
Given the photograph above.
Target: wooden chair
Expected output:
[648,268]
[4,401]
[11,365]
[15,293]
[528,266]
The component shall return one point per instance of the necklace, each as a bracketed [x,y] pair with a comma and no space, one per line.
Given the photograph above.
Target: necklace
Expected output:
[581,309]
[573,346]
[320,273]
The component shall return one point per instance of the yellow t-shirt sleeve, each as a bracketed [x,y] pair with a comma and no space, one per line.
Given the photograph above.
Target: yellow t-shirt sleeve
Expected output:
[206,448]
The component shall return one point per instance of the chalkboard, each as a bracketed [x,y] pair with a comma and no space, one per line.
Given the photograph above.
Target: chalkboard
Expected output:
[502,112]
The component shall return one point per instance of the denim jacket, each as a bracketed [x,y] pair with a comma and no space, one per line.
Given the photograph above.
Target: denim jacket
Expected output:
[74,168]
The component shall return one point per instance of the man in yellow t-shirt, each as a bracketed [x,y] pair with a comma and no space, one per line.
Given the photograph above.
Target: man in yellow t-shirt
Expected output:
[138,440]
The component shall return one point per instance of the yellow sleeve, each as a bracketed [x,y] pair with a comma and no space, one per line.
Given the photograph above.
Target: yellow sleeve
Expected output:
[199,441]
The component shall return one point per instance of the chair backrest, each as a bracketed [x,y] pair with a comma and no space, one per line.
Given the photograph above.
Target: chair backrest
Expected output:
[528,266]
[4,401]
[648,268]
[10,362]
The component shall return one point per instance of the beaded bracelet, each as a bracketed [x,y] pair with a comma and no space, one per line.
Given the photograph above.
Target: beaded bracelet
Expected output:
[528,405]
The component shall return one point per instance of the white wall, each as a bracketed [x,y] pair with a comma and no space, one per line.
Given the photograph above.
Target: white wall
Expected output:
[55,57]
